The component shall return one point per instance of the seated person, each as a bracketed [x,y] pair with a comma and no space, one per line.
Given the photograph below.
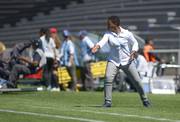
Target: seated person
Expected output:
[17,51]
[38,60]
[4,72]
[9,58]
[4,75]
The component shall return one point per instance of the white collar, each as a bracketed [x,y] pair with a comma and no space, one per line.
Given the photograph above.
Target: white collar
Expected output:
[121,32]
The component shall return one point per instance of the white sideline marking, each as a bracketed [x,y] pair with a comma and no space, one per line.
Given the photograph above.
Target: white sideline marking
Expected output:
[114,114]
[49,115]
[131,115]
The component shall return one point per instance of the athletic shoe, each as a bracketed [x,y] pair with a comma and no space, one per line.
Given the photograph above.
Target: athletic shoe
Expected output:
[107,105]
[49,88]
[55,89]
[146,103]
[11,84]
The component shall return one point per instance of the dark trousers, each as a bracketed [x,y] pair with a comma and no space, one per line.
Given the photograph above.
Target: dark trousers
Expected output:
[4,73]
[4,70]
[72,72]
[48,72]
[17,70]
[55,81]
[86,75]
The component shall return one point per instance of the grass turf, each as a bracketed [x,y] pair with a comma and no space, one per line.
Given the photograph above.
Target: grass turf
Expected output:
[60,106]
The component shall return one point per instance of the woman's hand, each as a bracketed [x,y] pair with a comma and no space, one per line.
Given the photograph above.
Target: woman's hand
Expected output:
[95,49]
[132,55]
[71,60]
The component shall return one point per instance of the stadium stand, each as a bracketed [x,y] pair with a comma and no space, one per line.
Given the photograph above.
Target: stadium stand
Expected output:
[155,18]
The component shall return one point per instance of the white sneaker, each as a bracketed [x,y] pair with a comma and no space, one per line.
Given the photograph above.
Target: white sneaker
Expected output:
[49,88]
[55,89]
[40,88]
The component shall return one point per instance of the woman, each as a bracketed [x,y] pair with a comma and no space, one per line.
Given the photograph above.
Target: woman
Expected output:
[57,41]
[121,56]
[49,47]
[2,47]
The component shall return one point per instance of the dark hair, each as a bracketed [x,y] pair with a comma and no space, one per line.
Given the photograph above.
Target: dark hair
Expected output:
[35,43]
[115,20]
[42,31]
[148,39]
[45,31]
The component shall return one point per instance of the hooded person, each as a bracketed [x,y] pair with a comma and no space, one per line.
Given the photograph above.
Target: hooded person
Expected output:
[37,61]
[10,57]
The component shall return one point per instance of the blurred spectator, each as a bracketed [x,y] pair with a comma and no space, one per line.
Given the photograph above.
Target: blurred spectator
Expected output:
[4,71]
[69,58]
[49,48]
[10,57]
[149,46]
[55,81]
[87,57]
[152,59]
[2,47]
[33,65]
[141,64]
[17,51]
[55,36]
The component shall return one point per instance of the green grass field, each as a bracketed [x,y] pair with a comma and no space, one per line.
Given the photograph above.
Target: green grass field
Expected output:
[85,107]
